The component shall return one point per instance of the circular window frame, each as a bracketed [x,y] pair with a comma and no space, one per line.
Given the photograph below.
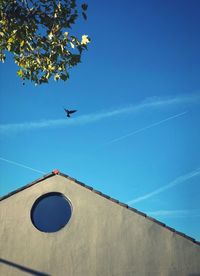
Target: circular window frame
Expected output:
[41,197]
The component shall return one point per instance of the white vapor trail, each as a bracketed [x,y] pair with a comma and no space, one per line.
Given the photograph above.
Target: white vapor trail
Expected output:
[149,103]
[179,180]
[147,127]
[175,213]
[21,165]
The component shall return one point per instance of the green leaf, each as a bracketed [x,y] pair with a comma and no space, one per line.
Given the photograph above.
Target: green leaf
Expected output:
[56,77]
[20,73]
[10,40]
[64,77]
[22,43]
[2,57]
[84,6]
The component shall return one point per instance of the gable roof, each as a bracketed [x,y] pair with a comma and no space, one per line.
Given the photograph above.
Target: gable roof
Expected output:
[56,172]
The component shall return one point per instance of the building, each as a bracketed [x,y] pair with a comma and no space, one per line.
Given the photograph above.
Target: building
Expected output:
[58,226]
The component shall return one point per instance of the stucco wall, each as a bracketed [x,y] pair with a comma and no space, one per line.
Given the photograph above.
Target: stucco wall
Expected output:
[102,238]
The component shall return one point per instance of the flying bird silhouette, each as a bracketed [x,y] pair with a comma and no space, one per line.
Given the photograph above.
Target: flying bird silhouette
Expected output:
[69,112]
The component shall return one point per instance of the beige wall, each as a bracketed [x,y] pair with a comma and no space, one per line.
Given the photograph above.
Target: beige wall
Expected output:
[102,238]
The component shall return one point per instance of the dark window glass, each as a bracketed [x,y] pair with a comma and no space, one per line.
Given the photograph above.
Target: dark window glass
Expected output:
[51,212]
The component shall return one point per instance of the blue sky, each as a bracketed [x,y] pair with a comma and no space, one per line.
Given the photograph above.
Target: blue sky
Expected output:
[136,134]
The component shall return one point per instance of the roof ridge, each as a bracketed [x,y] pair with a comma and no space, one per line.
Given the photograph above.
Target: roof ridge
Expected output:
[57,172]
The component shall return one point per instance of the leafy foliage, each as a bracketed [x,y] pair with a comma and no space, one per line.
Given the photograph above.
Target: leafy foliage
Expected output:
[37,33]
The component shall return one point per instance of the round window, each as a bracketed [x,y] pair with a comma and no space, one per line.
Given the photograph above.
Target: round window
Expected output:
[51,212]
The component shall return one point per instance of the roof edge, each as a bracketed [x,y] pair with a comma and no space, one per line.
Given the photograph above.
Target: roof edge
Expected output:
[132,209]
[27,186]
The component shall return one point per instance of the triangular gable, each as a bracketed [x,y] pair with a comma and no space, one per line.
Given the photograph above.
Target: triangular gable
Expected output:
[100,236]
[56,172]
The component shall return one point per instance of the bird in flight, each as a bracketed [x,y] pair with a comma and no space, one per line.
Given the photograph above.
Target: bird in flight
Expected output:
[69,112]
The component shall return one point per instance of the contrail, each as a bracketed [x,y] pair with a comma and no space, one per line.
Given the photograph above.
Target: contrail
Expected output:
[147,104]
[147,127]
[175,213]
[177,181]
[21,165]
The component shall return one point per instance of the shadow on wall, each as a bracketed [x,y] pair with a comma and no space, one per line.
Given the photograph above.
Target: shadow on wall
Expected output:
[23,268]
